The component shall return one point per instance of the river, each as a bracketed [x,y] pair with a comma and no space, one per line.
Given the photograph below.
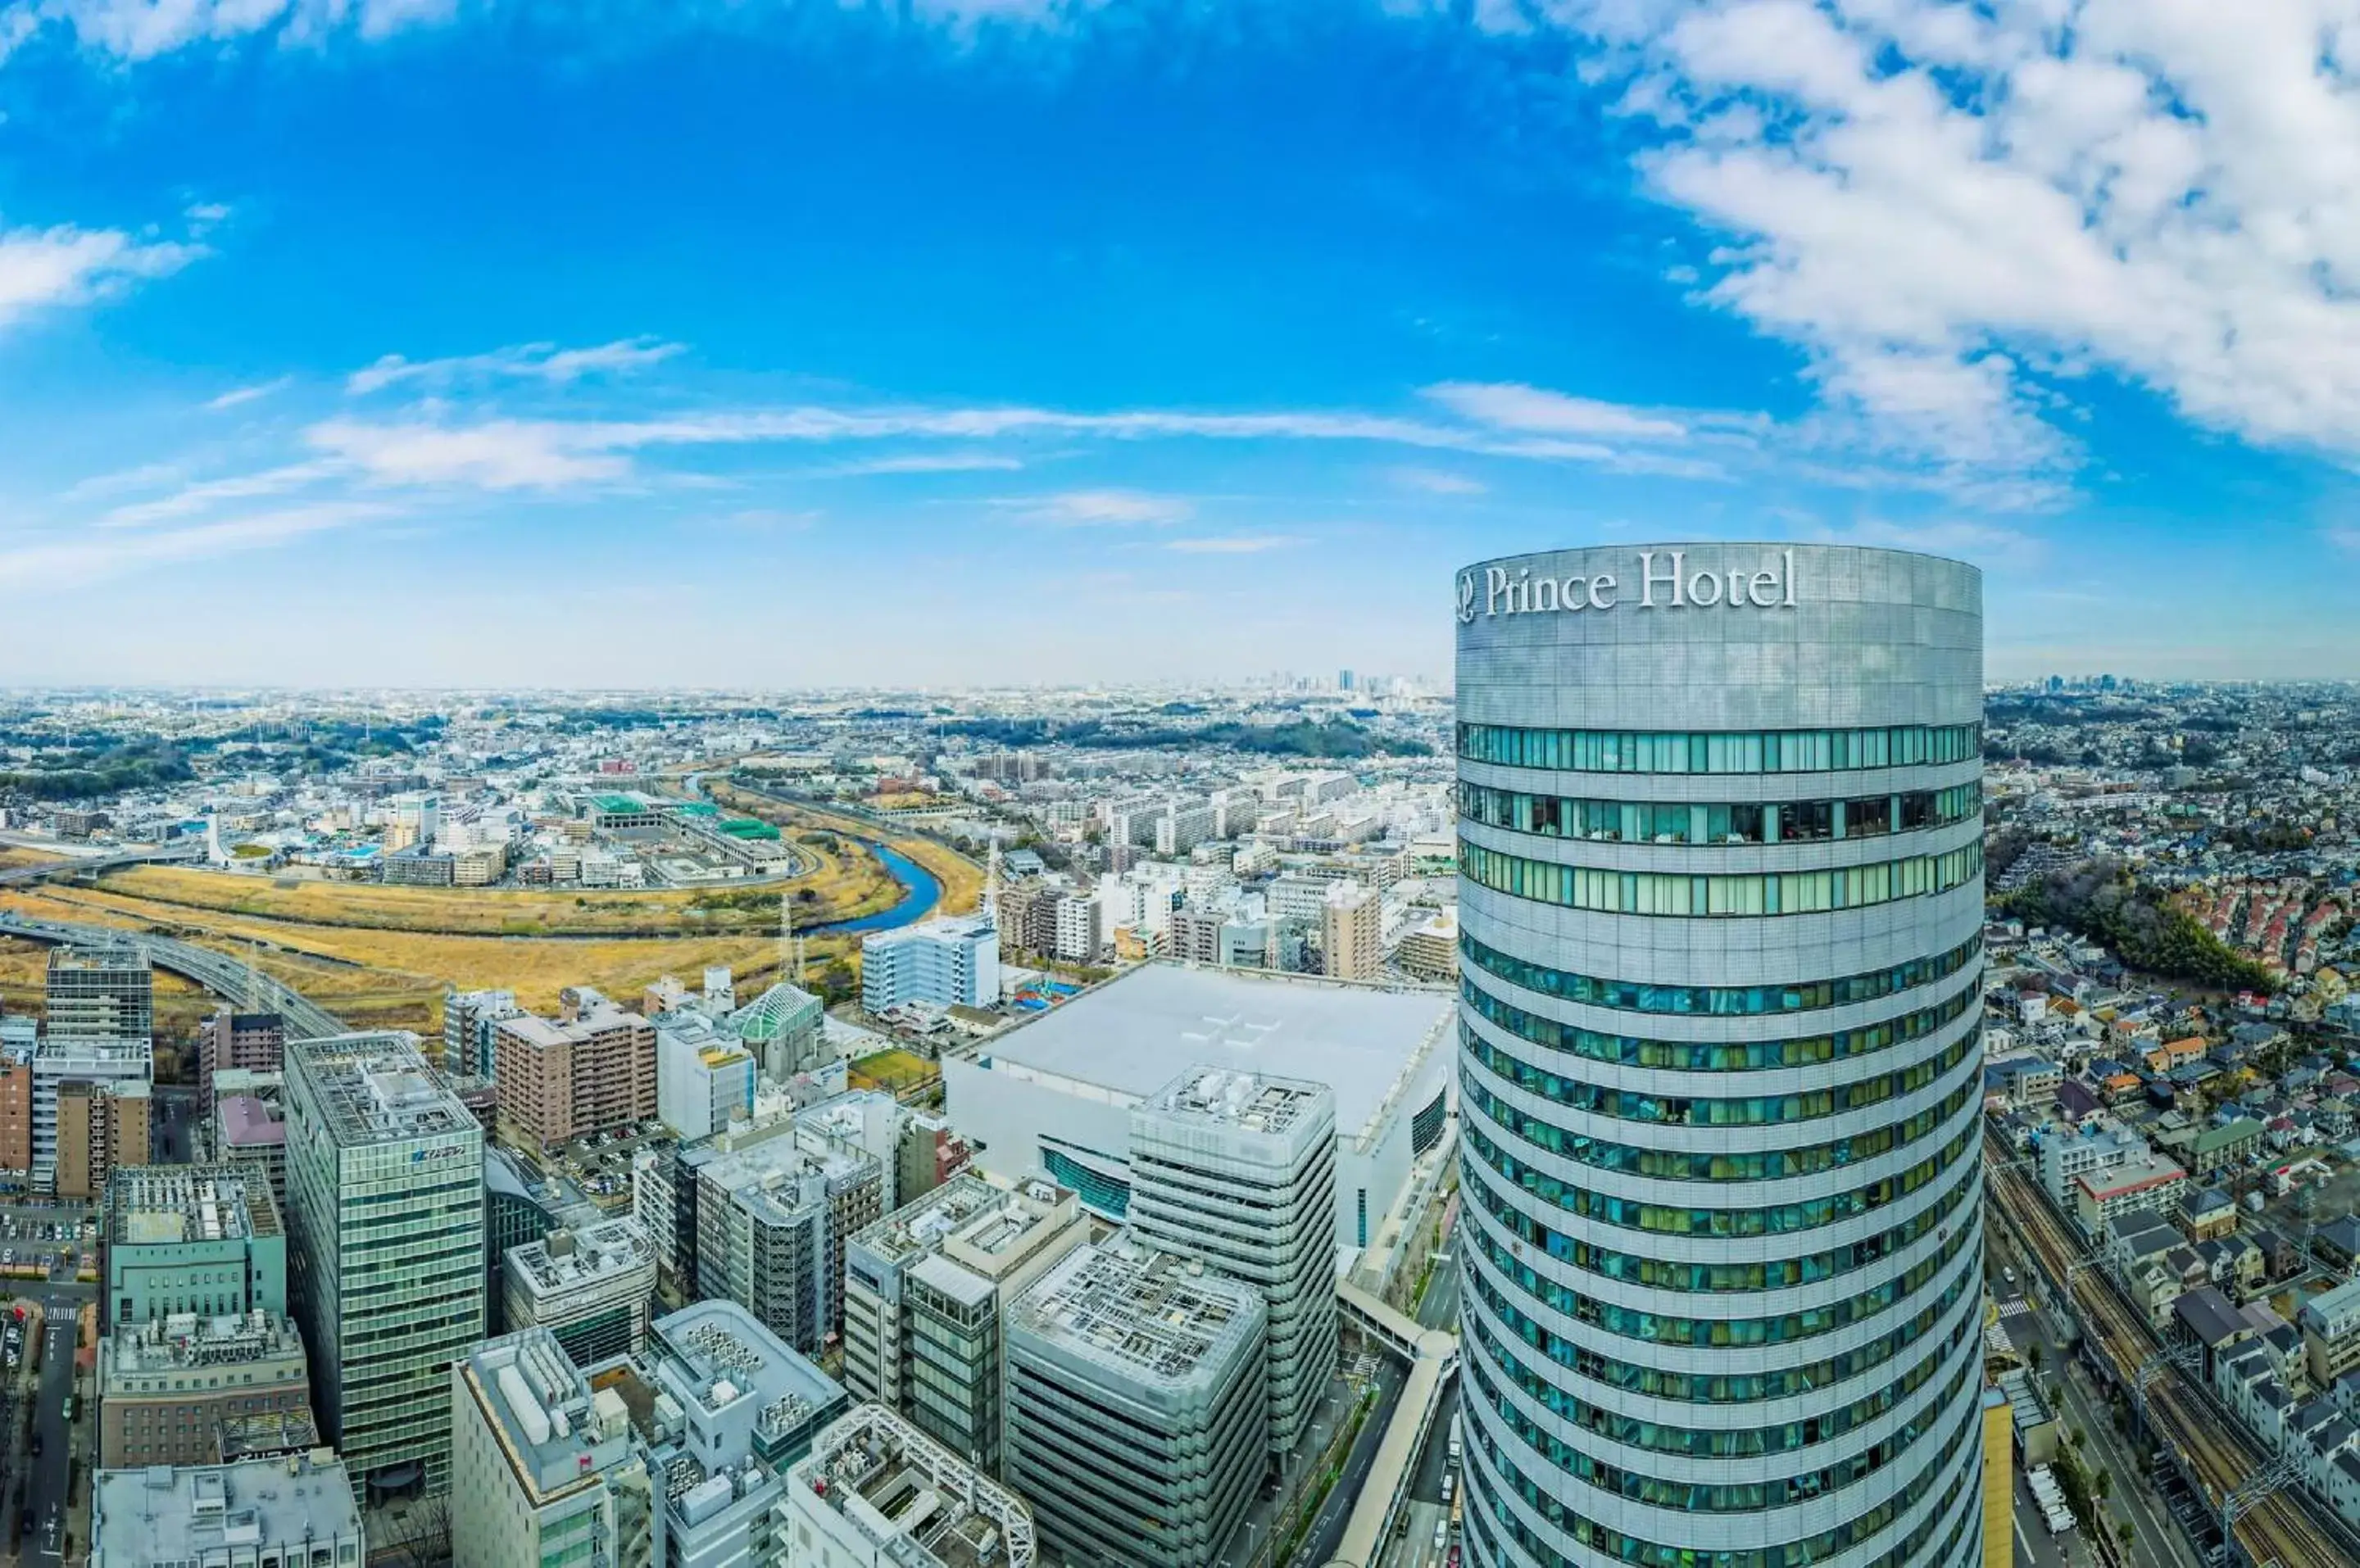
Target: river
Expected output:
[920,891]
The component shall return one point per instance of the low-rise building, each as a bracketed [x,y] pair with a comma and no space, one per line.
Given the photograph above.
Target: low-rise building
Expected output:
[258,1511]
[2330,1333]
[589,1288]
[178,1391]
[875,1492]
[198,1240]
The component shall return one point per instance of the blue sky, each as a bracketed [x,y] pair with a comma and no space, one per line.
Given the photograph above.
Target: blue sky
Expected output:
[431,341]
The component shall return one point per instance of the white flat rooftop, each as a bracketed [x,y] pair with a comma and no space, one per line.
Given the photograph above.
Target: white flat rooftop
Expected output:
[1137,1033]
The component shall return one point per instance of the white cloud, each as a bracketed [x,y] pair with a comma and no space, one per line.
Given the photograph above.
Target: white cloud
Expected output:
[66,560]
[1987,544]
[205,495]
[1956,210]
[928,462]
[1437,482]
[68,265]
[1234,544]
[501,454]
[239,396]
[144,29]
[1121,507]
[1511,406]
[530,361]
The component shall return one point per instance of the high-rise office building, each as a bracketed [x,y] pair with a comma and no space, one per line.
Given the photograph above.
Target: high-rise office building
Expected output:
[924,1292]
[102,992]
[1720,894]
[1137,1414]
[1238,1170]
[732,1410]
[547,1470]
[385,1187]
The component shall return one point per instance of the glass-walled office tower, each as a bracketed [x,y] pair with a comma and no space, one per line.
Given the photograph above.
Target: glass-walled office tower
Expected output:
[1720,897]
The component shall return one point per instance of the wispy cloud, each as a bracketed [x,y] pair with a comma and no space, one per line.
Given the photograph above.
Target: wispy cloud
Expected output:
[191,499]
[1436,481]
[1121,507]
[68,265]
[1512,406]
[238,397]
[529,362]
[63,561]
[145,29]
[1989,544]
[502,454]
[1235,544]
[928,462]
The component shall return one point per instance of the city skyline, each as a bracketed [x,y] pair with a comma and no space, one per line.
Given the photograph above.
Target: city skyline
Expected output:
[994,341]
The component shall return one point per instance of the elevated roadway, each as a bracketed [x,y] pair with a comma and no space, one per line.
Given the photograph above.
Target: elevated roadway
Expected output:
[224,976]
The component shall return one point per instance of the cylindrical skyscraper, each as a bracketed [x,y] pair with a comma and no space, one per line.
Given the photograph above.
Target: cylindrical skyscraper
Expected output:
[1721,897]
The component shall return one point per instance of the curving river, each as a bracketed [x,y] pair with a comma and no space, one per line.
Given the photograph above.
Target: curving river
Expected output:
[920,891]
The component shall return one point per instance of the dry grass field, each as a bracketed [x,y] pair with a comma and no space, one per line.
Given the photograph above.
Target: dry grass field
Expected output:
[892,1071]
[850,882]
[394,979]
[379,957]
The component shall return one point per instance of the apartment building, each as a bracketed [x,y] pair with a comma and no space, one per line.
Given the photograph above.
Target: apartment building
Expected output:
[592,1069]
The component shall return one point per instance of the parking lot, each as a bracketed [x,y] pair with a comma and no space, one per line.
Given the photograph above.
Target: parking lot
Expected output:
[600,1164]
[45,1241]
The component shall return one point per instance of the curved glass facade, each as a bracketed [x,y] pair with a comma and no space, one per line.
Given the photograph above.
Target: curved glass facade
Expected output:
[1679,1191]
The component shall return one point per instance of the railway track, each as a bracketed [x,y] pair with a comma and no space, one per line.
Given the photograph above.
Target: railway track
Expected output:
[2281,1526]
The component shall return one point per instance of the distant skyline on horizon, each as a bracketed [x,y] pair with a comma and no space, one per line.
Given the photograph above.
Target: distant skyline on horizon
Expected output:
[411,344]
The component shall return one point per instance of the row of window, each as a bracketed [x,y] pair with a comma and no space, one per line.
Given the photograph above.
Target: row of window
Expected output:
[1666,1219]
[1714,1165]
[1720,751]
[1716,1277]
[1712,1442]
[1720,894]
[1710,1333]
[1683,821]
[1688,1110]
[1710,1497]
[1817,1549]
[1720,1001]
[1717,1055]
[1688,1387]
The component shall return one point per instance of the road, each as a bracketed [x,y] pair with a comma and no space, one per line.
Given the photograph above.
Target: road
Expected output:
[44,1527]
[2158,1541]
[1328,1530]
[84,865]
[222,975]
[176,1123]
